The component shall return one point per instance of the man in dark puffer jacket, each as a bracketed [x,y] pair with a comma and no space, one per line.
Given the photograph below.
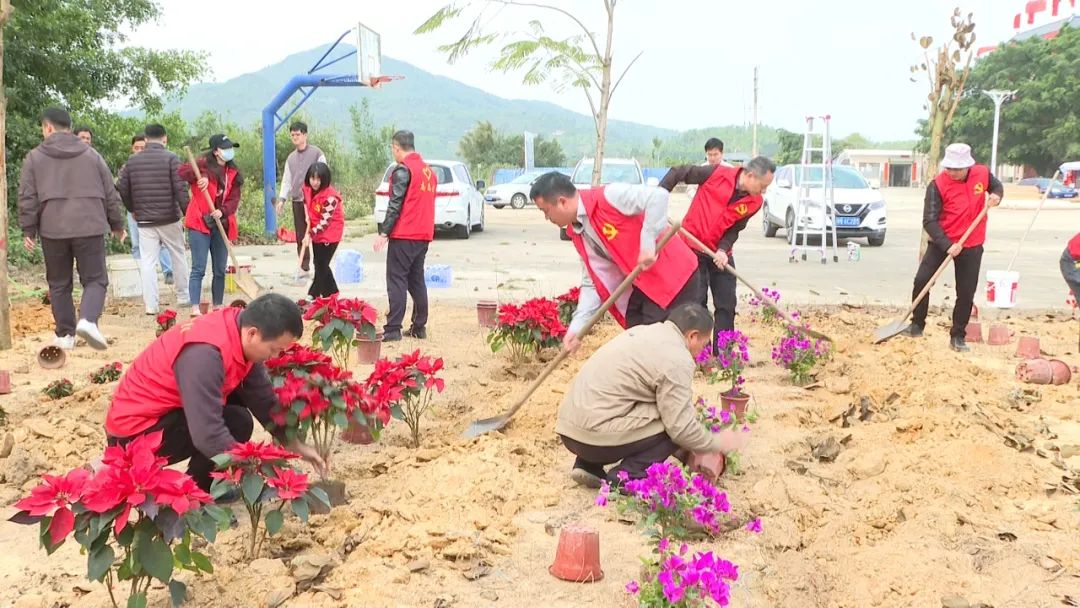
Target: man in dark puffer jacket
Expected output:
[153,192]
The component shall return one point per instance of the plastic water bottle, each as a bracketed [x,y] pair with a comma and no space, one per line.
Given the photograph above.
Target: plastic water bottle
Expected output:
[349,267]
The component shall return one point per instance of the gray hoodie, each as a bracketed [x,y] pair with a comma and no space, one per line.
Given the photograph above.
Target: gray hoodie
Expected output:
[66,191]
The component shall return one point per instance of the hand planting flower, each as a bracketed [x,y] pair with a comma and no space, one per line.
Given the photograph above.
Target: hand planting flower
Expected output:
[107,373]
[58,389]
[568,305]
[267,484]
[671,503]
[165,320]
[340,321]
[132,506]
[527,329]
[797,354]
[727,361]
[678,579]
[407,384]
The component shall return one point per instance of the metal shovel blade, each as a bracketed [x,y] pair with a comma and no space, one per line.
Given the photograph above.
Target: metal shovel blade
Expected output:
[885,332]
[486,425]
[247,284]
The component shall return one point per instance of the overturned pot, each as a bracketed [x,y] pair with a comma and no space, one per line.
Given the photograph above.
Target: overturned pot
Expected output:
[711,465]
[973,333]
[335,491]
[577,558]
[51,357]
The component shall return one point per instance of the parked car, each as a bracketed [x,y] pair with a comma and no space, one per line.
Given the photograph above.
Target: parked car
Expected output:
[1059,190]
[459,206]
[613,171]
[859,207]
[514,193]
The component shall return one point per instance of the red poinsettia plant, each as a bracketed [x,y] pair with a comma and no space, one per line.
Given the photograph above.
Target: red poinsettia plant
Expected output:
[407,384]
[165,320]
[340,321]
[58,389]
[107,373]
[134,519]
[266,482]
[316,398]
[568,304]
[528,328]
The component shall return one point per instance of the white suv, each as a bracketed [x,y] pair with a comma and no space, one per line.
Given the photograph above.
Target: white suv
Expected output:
[459,204]
[859,207]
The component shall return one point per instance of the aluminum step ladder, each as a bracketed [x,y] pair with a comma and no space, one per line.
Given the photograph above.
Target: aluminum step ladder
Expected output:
[814,217]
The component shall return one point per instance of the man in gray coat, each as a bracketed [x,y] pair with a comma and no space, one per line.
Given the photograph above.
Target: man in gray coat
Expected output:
[67,199]
[292,183]
[152,190]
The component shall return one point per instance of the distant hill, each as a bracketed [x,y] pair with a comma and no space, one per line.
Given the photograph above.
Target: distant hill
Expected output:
[440,110]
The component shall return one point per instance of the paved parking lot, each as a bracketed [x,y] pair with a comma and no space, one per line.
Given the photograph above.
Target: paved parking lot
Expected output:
[520,255]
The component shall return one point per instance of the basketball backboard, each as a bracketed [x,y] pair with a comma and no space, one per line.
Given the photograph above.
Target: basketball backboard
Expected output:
[368,53]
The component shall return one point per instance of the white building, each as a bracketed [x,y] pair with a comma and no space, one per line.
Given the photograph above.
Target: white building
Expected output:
[885,168]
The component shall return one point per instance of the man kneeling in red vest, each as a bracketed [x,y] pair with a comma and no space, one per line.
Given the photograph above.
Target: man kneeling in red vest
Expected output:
[203,380]
[614,228]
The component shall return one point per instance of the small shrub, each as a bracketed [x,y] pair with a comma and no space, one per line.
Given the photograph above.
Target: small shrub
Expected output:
[58,389]
[797,354]
[527,329]
[105,374]
[408,383]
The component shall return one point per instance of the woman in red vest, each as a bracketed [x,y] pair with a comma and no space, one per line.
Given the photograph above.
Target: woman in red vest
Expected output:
[614,229]
[1070,266]
[953,200]
[723,204]
[325,213]
[222,182]
[201,382]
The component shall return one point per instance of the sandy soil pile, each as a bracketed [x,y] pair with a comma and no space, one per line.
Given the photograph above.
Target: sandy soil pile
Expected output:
[907,474]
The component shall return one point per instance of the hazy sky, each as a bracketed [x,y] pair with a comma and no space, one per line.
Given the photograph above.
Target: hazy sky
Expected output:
[846,58]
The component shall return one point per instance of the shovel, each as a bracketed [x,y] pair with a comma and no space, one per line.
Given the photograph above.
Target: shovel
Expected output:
[244,280]
[898,326]
[486,425]
[783,315]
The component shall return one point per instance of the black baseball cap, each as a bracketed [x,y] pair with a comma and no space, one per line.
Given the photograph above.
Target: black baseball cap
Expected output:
[222,141]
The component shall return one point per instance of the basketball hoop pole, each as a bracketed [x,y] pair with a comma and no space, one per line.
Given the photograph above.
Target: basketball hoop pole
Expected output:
[306,85]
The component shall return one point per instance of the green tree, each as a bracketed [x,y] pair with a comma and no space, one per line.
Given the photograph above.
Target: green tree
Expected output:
[790,147]
[577,61]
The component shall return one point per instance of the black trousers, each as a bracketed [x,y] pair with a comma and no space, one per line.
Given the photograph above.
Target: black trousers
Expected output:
[640,310]
[176,444]
[323,284]
[634,458]
[300,226]
[721,284]
[967,281]
[405,275]
[88,256]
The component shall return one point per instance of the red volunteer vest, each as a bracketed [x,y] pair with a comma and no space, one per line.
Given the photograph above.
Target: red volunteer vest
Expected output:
[326,214]
[417,220]
[1074,247]
[148,389]
[710,214]
[199,206]
[961,203]
[621,237]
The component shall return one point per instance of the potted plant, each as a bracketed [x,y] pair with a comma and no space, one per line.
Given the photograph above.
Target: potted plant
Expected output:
[797,354]
[342,323]
[527,329]
[724,365]
[408,384]
[134,519]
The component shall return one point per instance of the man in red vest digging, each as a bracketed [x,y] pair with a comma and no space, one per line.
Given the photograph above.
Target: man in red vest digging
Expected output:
[726,199]
[408,229]
[953,200]
[202,381]
[614,228]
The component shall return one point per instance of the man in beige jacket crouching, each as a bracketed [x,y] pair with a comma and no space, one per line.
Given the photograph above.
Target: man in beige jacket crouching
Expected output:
[632,402]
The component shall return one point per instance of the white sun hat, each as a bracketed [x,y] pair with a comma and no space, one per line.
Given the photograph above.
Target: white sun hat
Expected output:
[957,156]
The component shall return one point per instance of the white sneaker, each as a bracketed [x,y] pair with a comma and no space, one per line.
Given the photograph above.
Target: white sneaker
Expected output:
[65,342]
[89,331]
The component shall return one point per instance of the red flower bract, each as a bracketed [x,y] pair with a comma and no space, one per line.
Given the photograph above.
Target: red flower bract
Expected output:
[289,483]
[55,492]
[355,311]
[259,452]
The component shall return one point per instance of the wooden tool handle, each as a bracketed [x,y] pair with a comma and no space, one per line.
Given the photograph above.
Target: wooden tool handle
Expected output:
[593,320]
[1042,201]
[945,264]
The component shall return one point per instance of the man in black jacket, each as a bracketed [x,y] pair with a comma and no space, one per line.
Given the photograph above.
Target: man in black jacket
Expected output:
[157,198]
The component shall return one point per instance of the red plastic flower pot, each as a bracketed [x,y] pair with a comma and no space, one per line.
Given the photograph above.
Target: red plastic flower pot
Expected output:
[735,404]
[487,313]
[1035,371]
[5,382]
[368,351]
[999,335]
[51,357]
[973,333]
[709,465]
[1027,347]
[358,434]
[1060,372]
[577,559]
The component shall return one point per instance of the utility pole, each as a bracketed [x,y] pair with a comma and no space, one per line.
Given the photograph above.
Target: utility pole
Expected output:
[5,301]
[753,148]
[999,97]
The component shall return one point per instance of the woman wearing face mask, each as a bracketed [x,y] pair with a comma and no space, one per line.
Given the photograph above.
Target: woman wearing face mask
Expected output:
[222,181]
[325,221]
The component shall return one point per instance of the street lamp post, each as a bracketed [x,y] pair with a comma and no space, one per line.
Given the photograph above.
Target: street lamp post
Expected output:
[999,98]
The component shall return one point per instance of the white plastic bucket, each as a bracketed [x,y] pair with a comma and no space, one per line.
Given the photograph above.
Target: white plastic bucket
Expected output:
[124,281]
[1001,286]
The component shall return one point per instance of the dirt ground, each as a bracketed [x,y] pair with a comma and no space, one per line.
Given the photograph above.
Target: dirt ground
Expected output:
[928,496]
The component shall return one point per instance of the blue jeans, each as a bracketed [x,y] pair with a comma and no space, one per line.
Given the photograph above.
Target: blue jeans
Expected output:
[133,232]
[201,245]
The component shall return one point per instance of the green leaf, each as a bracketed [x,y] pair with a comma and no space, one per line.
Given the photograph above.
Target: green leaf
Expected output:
[301,509]
[177,593]
[137,601]
[155,556]
[202,562]
[99,562]
[340,420]
[252,487]
[321,495]
[183,554]
[222,460]
[274,521]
